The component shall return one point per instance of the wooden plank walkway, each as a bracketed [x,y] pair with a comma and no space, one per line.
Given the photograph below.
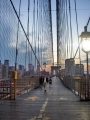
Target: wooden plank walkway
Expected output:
[57,103]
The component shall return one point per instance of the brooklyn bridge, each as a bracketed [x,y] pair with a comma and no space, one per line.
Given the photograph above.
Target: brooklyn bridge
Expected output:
[48,39]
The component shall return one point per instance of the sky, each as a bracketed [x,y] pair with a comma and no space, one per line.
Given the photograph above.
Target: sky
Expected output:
[83,13]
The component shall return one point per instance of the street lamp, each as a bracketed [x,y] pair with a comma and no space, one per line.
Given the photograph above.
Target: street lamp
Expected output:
[85,44]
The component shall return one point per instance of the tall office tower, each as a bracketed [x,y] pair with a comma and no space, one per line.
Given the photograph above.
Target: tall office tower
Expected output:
[20,70]
[6,62]
[62,71]
[20,67]
[38,68]
[79,69]
[70,66]
[33,70]
[29,67]
[0,70]
[11,68]
[6,68]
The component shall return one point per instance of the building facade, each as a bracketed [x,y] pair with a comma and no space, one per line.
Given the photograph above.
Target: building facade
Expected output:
[70,66]
[79,69]
[20,70]
[5,69]
[0,70]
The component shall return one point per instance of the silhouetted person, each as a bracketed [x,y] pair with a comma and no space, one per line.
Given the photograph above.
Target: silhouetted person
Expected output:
[47,79]
[45,82]
[41,81]
[50,82]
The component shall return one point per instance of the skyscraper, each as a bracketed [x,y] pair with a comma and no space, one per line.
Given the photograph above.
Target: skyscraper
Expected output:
[70,66]
[6,68]
[0,70]
[79,69]
[20,70]
[29,67]
[38,68]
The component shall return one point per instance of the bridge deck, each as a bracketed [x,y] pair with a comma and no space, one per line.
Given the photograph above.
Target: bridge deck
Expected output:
[57,103]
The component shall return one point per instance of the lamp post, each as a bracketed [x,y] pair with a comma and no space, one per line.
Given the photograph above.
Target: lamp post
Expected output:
[85,44]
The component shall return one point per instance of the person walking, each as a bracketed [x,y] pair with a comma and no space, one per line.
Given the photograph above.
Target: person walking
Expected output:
[50,82]
[41,81]
[45,83]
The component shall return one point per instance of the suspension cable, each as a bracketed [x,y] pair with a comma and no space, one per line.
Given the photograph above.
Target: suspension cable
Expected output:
[24,31]
[17,38]
[67,30]
[77,29]
[41,33]
[27,35]
[88,21]
[28,29]
[34,28]
[51,31]
[37,30]
[71,29]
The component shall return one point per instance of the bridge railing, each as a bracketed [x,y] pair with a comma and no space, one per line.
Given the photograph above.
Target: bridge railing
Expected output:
[79,85]
[23,85]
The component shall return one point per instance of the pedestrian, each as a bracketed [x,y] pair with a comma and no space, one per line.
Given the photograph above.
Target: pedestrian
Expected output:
[50,82]
[45,83]
[41,81]
[47,79]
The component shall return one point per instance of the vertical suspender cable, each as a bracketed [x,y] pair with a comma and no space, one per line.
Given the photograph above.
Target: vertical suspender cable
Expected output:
[32,43]
[67,31]
[27,35]
[72,54]
[57,9]
[77,29]
[33,27]
[26,55]
[41,42]
[64,29]
[28,30]
[34,31]
[41,32]
[43,35]
[17,39]
[37,30]
[51,31]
